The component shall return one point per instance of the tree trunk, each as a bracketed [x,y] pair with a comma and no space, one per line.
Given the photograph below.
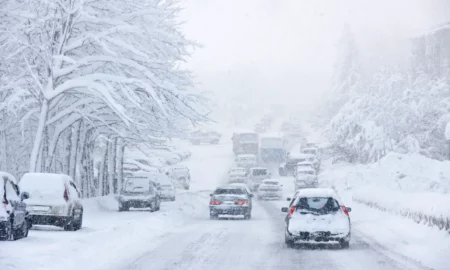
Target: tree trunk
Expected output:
[39,136]
[102,170]
[68,150]
[74,161]
[120,160]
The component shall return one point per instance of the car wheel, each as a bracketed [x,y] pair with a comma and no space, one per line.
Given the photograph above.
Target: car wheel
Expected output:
[186,187]
[172,199]
[288,241]
[79,223]
[248,216]
[123,207]
[213,216]
[344,244]
[70,223]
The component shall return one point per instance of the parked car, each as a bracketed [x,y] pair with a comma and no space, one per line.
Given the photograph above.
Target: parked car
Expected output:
[14,218]
[317,216]
[269,189]
[138,191]
[246,160]
[257,175]
[54,199]
[312,155]
[237,172]
[181,176]
[230,201]
[167,191]
[305,178]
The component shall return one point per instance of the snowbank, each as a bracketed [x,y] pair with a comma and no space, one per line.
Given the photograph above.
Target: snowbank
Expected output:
[412,186]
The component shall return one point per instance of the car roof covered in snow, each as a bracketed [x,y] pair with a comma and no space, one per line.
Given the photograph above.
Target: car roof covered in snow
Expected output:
[246,156]
[9,176]
[317,192]
[309,149]
[54,177]
[299,155]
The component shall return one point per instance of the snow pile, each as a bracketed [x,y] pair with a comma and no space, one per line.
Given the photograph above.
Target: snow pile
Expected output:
[412,185]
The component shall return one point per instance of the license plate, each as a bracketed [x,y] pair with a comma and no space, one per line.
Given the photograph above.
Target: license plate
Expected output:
[40,208]
[228,203]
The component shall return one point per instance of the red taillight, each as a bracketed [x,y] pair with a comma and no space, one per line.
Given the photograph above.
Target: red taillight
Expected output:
[215,202]
[66,195]
[242,202]
[345,210]
[292,211]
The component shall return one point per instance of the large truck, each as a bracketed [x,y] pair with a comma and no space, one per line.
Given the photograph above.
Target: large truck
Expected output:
[245,143]
[272,149]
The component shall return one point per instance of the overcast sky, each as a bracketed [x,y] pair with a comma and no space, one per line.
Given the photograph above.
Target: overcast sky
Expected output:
[282,51]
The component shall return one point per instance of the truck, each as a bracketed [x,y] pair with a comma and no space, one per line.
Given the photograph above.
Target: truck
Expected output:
[272,149]
[245,143]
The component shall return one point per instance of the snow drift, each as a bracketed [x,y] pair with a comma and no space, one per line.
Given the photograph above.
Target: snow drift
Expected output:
[412,186]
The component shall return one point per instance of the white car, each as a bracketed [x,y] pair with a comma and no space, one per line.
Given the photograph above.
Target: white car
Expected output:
[246,160]
[167,191]
[319,216]
[53,200]
[181,176]
[257,175]
[237,172]
[269,189]
[305,178]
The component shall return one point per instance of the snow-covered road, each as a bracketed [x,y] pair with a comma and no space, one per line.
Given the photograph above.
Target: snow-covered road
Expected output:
[181,236]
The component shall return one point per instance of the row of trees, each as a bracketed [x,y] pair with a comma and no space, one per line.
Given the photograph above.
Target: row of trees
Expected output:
[81,77]
[393,110]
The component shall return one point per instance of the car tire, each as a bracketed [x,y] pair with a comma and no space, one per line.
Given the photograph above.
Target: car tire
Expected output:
[186,187]
[79,224]
[344,244]
[172,199]
[123,207]
[289,242]
[248,216]
[70,223]
[213,216]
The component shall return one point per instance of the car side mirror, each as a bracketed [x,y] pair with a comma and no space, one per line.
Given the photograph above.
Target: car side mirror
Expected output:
[288,199]
[24,196]
[211,195]
[284,209]
[349,209]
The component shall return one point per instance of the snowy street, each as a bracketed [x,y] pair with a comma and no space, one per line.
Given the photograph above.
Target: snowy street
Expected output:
[181,235]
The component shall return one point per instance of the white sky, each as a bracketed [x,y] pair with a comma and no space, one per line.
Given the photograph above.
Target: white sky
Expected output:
[282,51]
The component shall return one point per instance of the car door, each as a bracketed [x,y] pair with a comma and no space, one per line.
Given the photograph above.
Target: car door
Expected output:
[18,206]
[75,199]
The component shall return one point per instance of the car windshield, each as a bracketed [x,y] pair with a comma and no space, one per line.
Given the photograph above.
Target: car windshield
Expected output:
[306,172]
[309,151]
[259,172]
[137,185]
[321,205]
[234,191]
[248,137]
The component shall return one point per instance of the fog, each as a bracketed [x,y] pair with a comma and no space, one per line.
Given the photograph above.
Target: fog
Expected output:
[266,51]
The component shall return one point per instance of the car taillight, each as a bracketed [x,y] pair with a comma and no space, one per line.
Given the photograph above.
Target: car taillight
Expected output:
[215,202]
[66,195]
[292,211]
[242,202]
[345,210]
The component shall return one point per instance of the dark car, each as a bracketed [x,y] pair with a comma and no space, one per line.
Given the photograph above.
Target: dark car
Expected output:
[139,192]
[289,167]
[230,201]
[14,219]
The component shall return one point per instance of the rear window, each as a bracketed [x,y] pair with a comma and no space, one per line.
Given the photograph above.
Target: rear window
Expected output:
[259,172]
[321,205]
[137,184]
[309,151]
[42,185]
[234,191]
[306,172]
[271,183]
